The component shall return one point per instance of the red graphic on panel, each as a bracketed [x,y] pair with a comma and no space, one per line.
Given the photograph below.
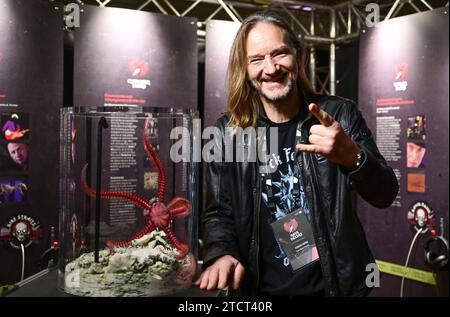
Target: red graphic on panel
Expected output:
[138,68]
[401,71]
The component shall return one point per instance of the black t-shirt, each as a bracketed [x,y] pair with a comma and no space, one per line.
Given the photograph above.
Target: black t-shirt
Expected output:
[277,277]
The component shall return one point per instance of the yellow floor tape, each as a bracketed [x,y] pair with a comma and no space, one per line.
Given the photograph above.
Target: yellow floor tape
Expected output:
[410,273]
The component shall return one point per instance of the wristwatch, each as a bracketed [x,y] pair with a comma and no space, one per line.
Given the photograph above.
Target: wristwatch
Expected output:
[359,159]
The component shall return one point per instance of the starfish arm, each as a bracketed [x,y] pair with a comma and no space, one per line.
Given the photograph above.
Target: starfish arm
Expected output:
[135,199]
[179,207]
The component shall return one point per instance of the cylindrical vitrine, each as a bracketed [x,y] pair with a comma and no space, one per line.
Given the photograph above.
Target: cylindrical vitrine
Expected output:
[128,186]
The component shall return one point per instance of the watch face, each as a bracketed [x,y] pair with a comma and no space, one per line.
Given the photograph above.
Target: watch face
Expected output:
[359,158]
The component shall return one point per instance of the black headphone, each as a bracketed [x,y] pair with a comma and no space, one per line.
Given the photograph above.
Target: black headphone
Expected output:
[437,260]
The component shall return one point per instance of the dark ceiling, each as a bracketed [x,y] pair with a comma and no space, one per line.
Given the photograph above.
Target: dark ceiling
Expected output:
[245,7]
[205,10]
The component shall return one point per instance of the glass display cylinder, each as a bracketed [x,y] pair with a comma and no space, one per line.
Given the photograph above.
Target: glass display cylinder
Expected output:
[128,204]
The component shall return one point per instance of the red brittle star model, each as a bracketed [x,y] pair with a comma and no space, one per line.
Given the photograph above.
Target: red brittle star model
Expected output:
[159,215]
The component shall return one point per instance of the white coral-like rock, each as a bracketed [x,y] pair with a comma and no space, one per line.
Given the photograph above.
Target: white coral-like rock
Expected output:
[120,262]
[144,253]
[142,240]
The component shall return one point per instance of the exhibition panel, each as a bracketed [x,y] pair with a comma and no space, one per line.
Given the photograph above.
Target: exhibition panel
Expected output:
[31,72]
[403,90]
[133,58]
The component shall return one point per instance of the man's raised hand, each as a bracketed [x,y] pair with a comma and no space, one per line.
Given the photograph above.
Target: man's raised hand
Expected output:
[329,139]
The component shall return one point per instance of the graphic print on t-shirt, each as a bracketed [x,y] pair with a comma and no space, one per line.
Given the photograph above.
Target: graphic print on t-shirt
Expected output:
[282,184]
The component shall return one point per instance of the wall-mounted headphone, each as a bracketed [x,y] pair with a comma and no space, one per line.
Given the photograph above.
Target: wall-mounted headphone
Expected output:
[436,252]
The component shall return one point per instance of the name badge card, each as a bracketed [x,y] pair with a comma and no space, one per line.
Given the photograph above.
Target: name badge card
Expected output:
[294,234]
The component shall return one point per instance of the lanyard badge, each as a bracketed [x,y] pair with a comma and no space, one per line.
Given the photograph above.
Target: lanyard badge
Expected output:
[293,231]
[294,234]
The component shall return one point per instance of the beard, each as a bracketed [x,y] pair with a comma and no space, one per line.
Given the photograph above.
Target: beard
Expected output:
[277,94]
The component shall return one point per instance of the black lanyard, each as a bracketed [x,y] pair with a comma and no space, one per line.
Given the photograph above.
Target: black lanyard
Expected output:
[267,175]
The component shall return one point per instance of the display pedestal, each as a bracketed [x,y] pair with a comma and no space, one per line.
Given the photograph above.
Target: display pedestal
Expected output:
[45,285]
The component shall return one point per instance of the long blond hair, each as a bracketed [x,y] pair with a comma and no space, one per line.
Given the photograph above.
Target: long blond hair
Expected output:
[243,99]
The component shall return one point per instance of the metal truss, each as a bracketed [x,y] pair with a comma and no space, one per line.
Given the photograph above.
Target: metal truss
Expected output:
[320,26]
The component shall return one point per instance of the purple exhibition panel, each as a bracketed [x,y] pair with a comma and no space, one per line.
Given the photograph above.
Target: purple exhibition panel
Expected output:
[403,94]
[134,58]
[31,72]
[219,38]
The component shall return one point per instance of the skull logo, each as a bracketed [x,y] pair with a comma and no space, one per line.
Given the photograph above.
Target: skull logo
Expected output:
[21,231]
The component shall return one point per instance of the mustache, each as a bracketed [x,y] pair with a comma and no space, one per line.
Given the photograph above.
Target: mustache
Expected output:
[280,75]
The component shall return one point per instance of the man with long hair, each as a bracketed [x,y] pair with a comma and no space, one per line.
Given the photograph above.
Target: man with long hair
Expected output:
[287,226]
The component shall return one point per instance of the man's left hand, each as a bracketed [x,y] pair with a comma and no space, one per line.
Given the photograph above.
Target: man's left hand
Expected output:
[329,139]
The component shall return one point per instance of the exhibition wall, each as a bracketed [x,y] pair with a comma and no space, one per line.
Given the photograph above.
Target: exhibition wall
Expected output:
[133,58]
[31,72]
[403,94]
[219,38]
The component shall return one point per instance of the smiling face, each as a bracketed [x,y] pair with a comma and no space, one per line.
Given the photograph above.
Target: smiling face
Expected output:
[271,62]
